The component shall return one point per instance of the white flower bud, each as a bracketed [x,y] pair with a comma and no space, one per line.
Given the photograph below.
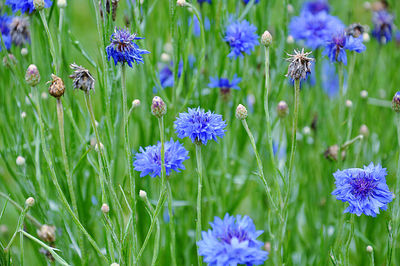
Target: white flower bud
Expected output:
[366,37]
[349,104]
[290,39]
[241,112]
[30,202]
[142,194]
[181,2]
[96,148]
[369,249]
[135,103]
[24,51]
[23,115]
[20,160]
[166,58]
[266,39]
[364,94]
[105,208]
[62,3]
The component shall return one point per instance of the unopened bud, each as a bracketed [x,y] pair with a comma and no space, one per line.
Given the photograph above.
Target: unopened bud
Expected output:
[349,104]
[181,2]
[114,264]
[369,249]
[62,3]
[105,208]
[290,39]
[290,8]
[20,161]
[266,39]
[282,109]
[396,102]
[364,131]
[158,107]
[241,112]
[135,103]
[364,94]
[142,194]
[32,76]
[30,202]
[332,153]
[267,246]
[38,4]
[44,95]
[23,115]
[24,51]
[366,37]
[96,147]
[166,58]
[57,87]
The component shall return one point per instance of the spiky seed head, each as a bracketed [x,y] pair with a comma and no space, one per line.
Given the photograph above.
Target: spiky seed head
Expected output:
[369,249]
[282,109]
[135,103]
[266,39]
[20,161]
[158,107]
[105,208]
[364,131]
[82,79]
[32,76]
[181,2]
[62,3]
[30,202]
[38,4]
[142,194]
[57,87]
[300,65]
[47,233]
[396,102]
[241,112]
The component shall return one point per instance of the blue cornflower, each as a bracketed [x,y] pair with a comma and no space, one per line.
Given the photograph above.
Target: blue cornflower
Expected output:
[232,241]
[123,49]
[364,189]
[383,26]
[329,79]
[224,84]
[203,1]
[167,76]
[25,5]
[241,37]
[148,160]
[5,30]
[314,29]
[336,48]
[200,126]
[315,7]
[247,1]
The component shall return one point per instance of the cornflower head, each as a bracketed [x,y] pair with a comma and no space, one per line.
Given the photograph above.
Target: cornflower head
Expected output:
[19,31]
[241,37]
[336,48]
[167,76]
[200,126]
[148,160]
[82,79]
[383,26]
[314,28]
[364,189]
[225,85]
[5,22]
[203,1]
[300,65]
[232,241]
[315,7]
[25,6]
[123,49]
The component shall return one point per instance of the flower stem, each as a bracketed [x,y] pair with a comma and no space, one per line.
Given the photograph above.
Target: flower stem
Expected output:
[341,106]
[128,156]
[50,39]
[171,225]
[199,188]
[349,239]
[19,226]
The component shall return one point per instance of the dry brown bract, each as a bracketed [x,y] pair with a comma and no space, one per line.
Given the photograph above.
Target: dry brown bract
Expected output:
[83,80]
[300,65]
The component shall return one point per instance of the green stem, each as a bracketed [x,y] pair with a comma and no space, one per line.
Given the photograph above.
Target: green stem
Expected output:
[341,108]
[199,188]
[50,39]
[19,226]
[349,239]
[171,225]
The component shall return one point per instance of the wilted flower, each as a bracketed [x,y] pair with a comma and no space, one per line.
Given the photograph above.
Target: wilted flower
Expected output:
[200,126]
[300,65]
[25,5]
[57,87]
[336,48]
[148,160]
[83,80]
[383,26]
[364,189]
[232,241]
[19,30]
[123,49]
[114,7]
[242,38]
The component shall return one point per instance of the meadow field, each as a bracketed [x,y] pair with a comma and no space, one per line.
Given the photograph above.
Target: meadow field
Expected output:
[202,132]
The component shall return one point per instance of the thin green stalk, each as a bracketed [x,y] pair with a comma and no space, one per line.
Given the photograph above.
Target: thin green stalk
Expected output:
[57,185]
[150,211]
[19,226]
[341,107]
[349,239]
[372,259]
[171,225]
[128,156]
[50,39]
[21,243]
[199,188]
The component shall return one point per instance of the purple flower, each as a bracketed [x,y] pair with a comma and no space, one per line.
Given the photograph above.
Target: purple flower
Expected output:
[364,189]
[25,5]
[336,48]
[5,22]
[123,49]
[167,76]
[232,241]
[383,26]
[200,126]
[224,84]
[241,37]
[314,29]
[315,7]
[148,160]
[329,79]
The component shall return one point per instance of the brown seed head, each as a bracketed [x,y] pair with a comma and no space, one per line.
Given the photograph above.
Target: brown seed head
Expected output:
[300,65]
[83,80]
[47,233]
[57,87]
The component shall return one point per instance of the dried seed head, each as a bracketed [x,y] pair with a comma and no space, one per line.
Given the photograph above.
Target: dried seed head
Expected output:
[47,233]
[396,102]
[114,7]
[282,109]
[332,153]
[57,87]
[32,76]
[105,208]
[30,202]
[266,39]
[62,3]
[369,249]
[364,131]
[135,103]
[82,79]
[19,30]
[355,30]
[181,2]
[38,4]
[241,112]
[158,107]
[300,65]
[20,161]
[142,194]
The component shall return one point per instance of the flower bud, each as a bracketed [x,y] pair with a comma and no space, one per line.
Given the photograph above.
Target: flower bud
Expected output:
[38,4]
[62,3]
[290,39]
[181,2]
[369,249]
[32,76]
[44,95]
[290,8]
[23,115]
[166,58]
[364,94]
[267,246]
[105,208]
[30,202]
[20,161]
[241,112]
[57,87]
[332,153]
[282,109]
[366,37]
[114,264]
[135,103]
[158,107]
[24,51]
[364,131]
[142,194]
[9,60]
[396,102]
[96,147]
[349,104]
[266,39]
[47,233]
